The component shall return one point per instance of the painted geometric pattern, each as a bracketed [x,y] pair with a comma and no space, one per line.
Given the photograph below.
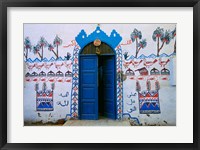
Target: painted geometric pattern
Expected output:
[119,83]
[44,100]
[75,77]
[149,102]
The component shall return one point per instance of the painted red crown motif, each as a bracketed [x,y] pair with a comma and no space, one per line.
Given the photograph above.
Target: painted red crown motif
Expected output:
[148,95]
[44,95]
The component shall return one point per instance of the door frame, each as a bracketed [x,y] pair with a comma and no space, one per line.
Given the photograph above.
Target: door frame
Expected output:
[115,79]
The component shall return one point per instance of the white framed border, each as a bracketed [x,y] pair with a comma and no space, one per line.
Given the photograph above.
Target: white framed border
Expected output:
[181,133]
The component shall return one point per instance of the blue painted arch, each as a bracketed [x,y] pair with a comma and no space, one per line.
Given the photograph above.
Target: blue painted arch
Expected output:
[113,40]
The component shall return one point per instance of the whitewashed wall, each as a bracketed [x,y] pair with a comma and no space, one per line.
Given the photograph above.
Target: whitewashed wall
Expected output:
[68,32]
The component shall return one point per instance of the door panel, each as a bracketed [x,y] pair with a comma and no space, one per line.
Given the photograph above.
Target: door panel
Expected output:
[88,87]
[109,86]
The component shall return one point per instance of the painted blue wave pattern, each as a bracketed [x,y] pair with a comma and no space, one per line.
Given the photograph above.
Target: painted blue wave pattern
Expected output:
[151,56]
[45,60]
[142,56]
[52,59]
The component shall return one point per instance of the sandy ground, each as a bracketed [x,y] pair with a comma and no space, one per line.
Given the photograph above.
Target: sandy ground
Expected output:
[100,122]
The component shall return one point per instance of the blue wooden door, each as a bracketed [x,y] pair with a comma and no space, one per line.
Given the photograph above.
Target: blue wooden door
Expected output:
[109,86]
[88,99]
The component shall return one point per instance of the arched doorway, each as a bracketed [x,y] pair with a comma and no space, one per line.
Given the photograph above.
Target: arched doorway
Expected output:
[97,82]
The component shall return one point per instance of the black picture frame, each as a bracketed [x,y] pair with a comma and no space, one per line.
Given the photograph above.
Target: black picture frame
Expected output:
[4,4]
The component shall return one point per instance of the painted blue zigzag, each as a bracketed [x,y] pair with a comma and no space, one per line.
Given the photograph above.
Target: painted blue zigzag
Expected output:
[164,55]
[151,56]
[142,56]
[52,59]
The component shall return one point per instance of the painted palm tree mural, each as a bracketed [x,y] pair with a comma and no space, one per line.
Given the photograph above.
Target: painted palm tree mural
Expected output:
[42,43]
[36,50]
[136,35]
[160,36]
[27,47]
[51,49]
[174,37]
[57,42]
